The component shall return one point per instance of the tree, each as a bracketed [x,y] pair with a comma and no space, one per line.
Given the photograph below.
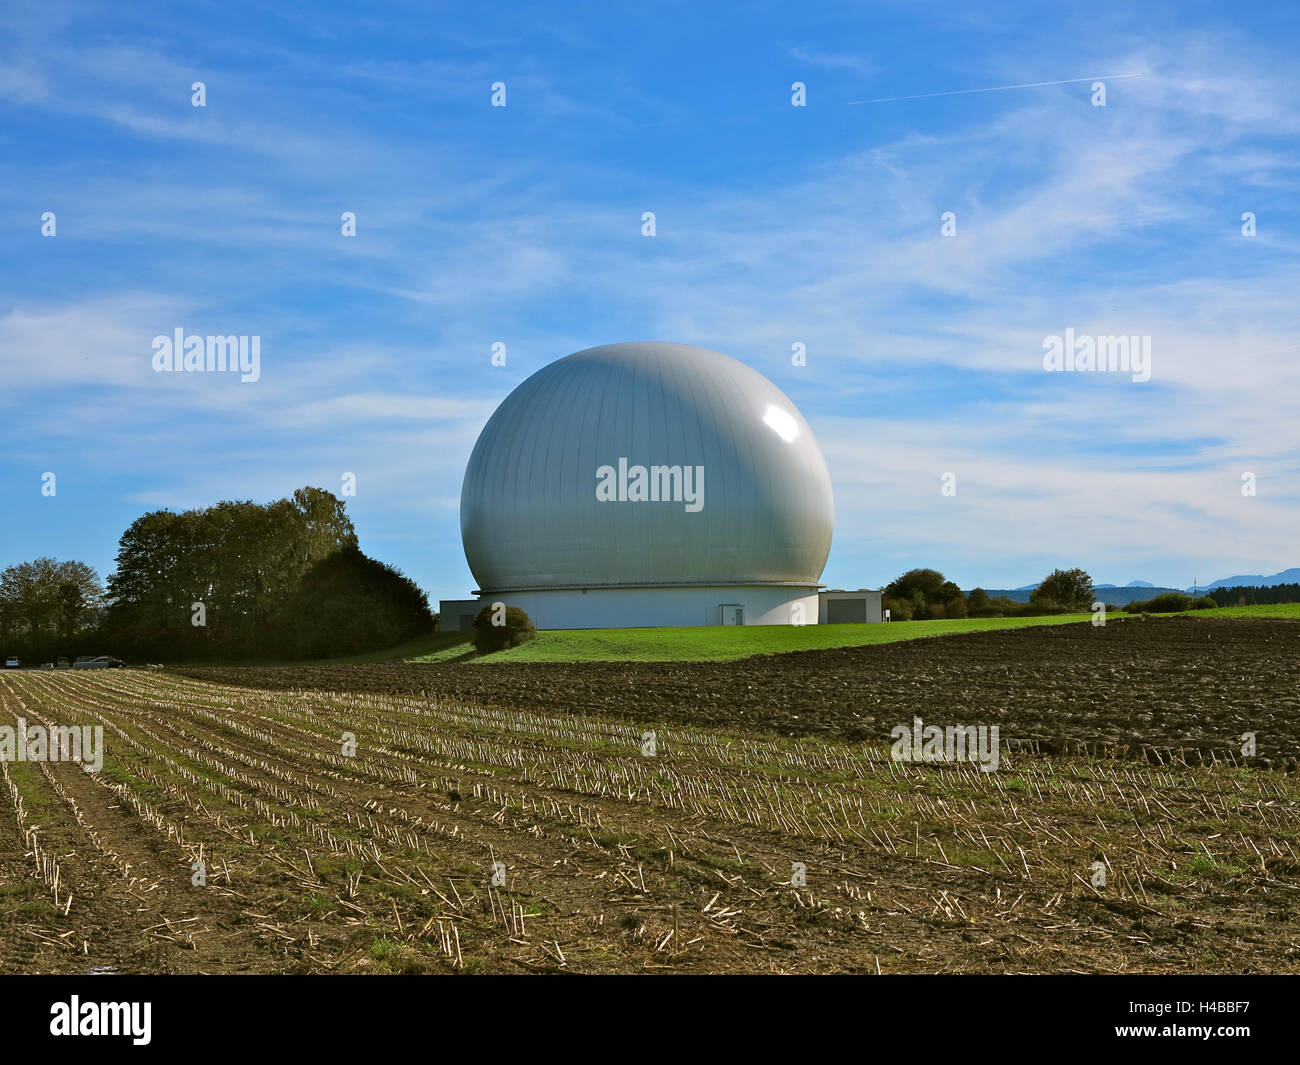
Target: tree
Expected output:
[928,582]
[44,597]
[348,604]
[45,603]
[926,592]
[147,590]
[322,524]
[1071,589]
[81,598]
[979,598]
[240,559]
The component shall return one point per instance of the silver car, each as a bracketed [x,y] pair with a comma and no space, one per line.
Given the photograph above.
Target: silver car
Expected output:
[97,662]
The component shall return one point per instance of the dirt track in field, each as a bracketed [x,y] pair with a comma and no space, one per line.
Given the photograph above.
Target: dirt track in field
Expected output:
[1131,688]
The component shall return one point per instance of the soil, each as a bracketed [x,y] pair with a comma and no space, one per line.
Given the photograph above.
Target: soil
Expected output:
[768,831]
[1131,688]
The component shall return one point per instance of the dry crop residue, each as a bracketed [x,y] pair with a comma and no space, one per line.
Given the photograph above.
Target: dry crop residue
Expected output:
[321,859]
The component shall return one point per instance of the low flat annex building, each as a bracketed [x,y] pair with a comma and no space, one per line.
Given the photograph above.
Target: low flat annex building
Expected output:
[838,607]
[647,484]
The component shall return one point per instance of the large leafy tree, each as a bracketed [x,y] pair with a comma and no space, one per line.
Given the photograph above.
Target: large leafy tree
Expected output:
[240,559]
[45,598]
[922,593]
[1070,588]
[928,582]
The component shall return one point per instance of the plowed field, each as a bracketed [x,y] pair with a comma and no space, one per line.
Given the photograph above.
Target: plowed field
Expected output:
[321,856]
[1132,688]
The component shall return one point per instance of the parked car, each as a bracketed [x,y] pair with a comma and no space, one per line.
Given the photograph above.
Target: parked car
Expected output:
[97,662]
[12,662]
[61,663]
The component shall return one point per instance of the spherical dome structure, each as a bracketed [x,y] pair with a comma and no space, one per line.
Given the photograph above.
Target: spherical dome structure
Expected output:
[733,489]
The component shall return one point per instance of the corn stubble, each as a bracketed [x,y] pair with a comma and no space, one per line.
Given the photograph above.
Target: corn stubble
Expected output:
[316,860]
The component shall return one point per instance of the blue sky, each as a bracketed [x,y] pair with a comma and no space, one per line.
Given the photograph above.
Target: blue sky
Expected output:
[775,225]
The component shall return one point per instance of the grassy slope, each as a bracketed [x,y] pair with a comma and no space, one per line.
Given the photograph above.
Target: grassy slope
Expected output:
[717,643]
[713,643]
[723,643]
[1271,610]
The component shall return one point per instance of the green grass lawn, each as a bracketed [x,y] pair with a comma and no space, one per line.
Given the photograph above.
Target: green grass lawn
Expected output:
[718,643]
[1271,610]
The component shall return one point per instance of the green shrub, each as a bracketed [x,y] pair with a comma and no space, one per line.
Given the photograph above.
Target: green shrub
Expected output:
[1041,606]
[1166,603]
[1205,602]
[899,609]
[497,629]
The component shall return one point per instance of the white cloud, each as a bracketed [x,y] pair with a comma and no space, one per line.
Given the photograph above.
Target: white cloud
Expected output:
[833,60]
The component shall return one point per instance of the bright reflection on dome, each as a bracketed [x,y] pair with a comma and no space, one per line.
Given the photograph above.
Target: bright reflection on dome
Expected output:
[782,423]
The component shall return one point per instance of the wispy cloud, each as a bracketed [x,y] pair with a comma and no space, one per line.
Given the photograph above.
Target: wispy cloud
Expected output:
[834,60]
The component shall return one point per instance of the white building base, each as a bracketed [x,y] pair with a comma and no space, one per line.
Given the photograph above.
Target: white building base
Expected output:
[653,607]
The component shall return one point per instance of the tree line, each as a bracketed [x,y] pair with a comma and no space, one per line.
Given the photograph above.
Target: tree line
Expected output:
[926,595]
[236,579]
[1244,595]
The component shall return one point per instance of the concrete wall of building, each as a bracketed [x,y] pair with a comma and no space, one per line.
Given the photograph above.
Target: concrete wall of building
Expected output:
[624,608]
[860,606]
[457,615]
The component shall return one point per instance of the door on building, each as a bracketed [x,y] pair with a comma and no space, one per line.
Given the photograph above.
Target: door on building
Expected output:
[733,614]
[846,611]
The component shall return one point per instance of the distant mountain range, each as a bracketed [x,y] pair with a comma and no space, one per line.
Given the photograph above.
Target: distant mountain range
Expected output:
[1287,576]
[1115,595]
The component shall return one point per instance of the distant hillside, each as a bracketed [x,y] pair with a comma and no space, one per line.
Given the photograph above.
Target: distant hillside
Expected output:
[1287,576]
[1114,595]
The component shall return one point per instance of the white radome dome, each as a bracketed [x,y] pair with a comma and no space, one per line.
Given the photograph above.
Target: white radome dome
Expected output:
[530,515]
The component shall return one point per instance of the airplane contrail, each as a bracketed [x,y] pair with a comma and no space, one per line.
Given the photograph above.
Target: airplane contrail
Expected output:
[997,88]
